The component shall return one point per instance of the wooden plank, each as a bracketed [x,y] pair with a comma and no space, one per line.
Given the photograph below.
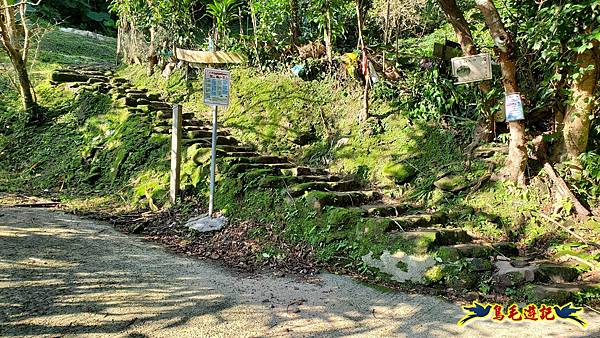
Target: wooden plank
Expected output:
[220,57]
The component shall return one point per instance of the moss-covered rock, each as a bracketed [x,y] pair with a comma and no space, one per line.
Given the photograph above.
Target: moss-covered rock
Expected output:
[452,183]
[557,273]
[448,254]
[435,274]
[373,227]
[464,279]
[399,172]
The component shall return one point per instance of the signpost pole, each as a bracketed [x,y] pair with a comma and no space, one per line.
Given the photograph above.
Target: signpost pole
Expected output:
[213,160]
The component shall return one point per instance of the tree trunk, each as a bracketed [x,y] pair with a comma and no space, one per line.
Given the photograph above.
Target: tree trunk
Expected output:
[485,123]
[254,30]
[18,58]
[517,149]
[576,122]
[152,57]
[294,23]
[327,32]
[364,113]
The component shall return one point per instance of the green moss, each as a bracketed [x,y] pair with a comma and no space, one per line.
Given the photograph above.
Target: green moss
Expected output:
[399,172]
[435,274]
[448,254]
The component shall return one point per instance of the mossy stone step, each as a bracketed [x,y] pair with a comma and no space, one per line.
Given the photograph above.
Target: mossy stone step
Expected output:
[415,221]
[300,189]
[305,171]
[68,76]
[221,140]
[453,253]
[320,199]
[507,249]
[137,90]
[234,148]
[386,210]
[239,168]
[136,95]
[557,293]
[224,154]
[96,80]
[261,159]
[201,156]
[198,132]
[430,238]
[557,273]
[189,132]
[286,181]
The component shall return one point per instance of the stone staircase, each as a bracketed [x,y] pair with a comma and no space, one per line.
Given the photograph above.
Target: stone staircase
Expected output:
[436,246]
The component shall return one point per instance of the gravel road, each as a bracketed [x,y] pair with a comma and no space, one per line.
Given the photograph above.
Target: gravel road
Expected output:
[63,276]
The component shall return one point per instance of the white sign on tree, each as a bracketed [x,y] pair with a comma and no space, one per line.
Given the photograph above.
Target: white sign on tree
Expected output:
[514,107]
[216,87]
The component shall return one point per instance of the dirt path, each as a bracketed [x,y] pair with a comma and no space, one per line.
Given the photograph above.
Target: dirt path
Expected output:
[61,275]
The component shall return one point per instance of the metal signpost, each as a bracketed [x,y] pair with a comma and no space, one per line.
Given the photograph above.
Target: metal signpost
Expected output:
[216,93]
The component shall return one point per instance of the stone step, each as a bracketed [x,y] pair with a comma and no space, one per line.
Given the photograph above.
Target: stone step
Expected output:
[233,148]
[136,95]
[186,124]
[286,181]
[559,293]
[415,221]
[305,171]
[68,76]
[189,132]
[386,210]
[261,159]
[223,154]
[319,199]
[424,240]
[300,189]
[452,253]
[239,168]
[516,272]
[221,140]
[137,90]
[199,132]
[97,80]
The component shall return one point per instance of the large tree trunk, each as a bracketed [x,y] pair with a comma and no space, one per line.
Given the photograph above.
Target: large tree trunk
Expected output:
[517,149]
[576,122]
[485,123]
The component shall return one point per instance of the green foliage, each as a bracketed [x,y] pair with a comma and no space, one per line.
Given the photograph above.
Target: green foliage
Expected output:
[223,13]
[175,17]
[588,183]
[84,14]
[548,36]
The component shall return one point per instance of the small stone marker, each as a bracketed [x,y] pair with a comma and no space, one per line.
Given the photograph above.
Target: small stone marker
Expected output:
[206,223]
